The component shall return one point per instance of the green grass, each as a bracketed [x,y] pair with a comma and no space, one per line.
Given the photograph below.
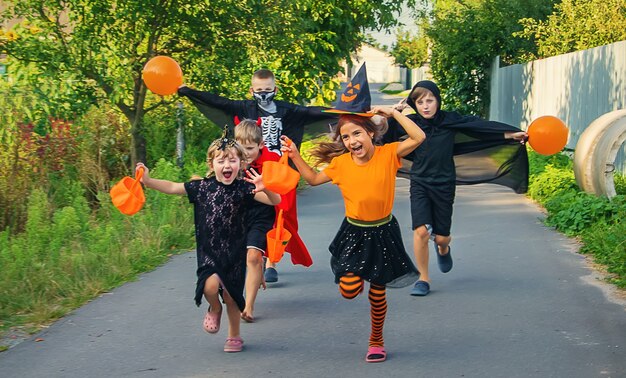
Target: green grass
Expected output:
[315,131]
[596,221]
[390,92]
[67,256]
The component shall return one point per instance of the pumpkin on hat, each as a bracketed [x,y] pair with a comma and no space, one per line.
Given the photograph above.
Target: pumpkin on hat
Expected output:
[356,98]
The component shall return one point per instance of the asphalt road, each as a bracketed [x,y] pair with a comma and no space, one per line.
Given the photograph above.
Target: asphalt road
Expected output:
[519,302]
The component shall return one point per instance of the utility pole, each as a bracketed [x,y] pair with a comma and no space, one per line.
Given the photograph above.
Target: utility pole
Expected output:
[180,135]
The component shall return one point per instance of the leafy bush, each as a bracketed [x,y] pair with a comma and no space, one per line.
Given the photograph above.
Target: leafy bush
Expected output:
[550,183]
[599,222]
[573,212]
[620,183]
[538,163]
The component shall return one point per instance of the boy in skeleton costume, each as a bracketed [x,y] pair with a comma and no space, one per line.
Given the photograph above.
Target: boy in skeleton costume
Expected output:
[277,118]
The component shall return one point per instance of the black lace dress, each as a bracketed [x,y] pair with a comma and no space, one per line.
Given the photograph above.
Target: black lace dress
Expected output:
[219,217]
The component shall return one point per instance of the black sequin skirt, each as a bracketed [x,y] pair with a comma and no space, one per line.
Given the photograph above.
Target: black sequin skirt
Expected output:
[374,251]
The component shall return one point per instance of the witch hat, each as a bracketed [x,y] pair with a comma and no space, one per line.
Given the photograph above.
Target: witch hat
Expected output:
[356,98]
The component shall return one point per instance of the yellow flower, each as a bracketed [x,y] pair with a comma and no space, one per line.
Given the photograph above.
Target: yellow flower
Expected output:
[11,35]
[34,30]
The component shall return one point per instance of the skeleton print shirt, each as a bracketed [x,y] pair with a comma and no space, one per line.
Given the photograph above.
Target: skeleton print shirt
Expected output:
[280,118]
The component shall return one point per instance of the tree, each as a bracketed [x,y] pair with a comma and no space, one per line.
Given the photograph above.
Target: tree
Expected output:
[410,50]
[466,36]
[102,45]
[577,25]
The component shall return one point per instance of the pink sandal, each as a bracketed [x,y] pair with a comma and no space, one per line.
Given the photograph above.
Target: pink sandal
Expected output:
[247,318]
[212,320]
[233,344]
[376,354]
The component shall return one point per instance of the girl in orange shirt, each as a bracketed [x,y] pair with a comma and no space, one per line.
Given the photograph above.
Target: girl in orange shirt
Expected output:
[368,245]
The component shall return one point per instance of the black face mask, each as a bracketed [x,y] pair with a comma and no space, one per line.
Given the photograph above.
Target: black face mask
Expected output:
[264,98]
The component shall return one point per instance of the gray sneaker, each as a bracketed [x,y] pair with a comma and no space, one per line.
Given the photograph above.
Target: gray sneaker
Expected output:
[271,275]
[445,261]
[421,288]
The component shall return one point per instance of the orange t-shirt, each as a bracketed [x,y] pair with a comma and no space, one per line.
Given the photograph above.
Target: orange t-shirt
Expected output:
[368,190]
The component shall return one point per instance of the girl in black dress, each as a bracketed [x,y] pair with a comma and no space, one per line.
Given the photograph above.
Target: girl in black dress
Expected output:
[220,200]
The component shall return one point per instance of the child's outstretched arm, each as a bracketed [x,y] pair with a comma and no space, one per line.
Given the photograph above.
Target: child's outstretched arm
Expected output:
[261,193]
[520,136]
[164,186]
[415,133]
[309,174]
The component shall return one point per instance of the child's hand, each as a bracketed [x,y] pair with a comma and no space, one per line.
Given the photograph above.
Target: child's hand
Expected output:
[255,178]
[146,172]
[288,147]
[383,111]
[521,136]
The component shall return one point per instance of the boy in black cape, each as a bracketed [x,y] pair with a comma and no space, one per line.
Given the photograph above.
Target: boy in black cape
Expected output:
[459,150]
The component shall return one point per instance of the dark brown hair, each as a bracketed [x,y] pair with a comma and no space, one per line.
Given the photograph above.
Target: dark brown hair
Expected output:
[324,152]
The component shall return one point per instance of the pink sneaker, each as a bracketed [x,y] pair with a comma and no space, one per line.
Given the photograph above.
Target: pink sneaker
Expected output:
[233,344]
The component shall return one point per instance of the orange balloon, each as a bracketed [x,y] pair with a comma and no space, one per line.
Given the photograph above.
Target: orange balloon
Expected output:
[162,75]
[547,135]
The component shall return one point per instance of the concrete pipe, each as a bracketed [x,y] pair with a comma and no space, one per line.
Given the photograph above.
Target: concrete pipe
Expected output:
[603,159]
[586,145]
[596,150]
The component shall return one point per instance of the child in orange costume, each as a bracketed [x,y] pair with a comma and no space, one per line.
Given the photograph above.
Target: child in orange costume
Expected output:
[369,245]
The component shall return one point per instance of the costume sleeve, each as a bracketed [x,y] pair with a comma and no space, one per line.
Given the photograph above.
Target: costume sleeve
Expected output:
[481,134]
[314,114]
[219,110]
[191,188]
[297,117]
[332,170]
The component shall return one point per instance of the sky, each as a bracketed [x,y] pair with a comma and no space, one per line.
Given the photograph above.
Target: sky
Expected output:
[388,39]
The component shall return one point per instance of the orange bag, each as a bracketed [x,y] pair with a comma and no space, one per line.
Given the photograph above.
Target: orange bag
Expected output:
[127,195]
[278,176]
[277,240]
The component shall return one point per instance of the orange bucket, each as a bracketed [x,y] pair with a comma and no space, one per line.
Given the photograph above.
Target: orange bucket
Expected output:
[127,195]
[278,176]
[277,240]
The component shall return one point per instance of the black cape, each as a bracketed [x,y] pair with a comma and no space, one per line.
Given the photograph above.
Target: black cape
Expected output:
[464,149]
[221,110]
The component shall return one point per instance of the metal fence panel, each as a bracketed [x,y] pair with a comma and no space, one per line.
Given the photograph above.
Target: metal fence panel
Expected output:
[577,87]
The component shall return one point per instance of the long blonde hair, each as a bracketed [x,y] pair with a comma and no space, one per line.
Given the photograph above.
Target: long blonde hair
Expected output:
[324,152]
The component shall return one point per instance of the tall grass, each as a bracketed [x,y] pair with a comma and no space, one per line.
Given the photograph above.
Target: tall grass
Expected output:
[68,256]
